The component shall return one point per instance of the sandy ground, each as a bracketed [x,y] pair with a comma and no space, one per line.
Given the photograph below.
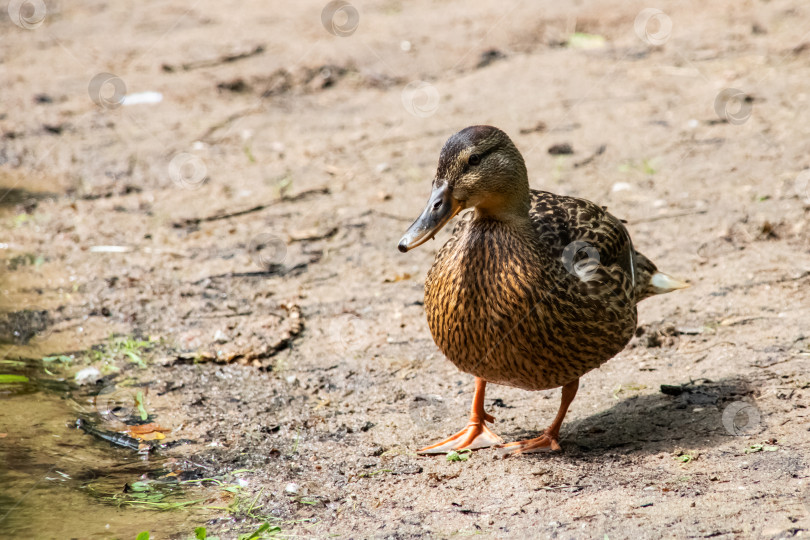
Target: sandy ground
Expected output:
[260,202]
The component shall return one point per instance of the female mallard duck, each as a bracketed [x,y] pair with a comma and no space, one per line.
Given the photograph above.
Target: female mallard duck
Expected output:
[533,290]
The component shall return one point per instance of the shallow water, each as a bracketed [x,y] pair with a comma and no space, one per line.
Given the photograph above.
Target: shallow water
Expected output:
[55,479]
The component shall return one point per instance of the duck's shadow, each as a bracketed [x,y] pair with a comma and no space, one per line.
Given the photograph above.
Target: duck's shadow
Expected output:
[694,415]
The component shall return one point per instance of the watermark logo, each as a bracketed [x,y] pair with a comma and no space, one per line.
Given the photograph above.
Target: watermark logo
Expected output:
[733,106]
[340,18]
[118,405]
[27,14]
[107,90]
[742,419]
[348,332]
[581,259]
[428,411]
[187,170]
[267,251]
[653,26]
[420,98]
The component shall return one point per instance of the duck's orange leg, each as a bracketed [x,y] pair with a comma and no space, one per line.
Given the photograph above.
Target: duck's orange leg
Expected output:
[549,440]
[476,434]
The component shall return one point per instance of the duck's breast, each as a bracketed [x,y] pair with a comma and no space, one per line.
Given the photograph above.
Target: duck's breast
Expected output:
[500,309]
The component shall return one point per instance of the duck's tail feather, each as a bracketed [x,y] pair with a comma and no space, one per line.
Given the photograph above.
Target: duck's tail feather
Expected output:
[664,283]
[651,281]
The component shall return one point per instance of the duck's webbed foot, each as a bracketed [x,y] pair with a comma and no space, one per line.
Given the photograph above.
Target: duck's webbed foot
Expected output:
[546,442]
[549,440]
[475,435]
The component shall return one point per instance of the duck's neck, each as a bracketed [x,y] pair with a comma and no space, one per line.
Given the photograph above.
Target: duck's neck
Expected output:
[509,206]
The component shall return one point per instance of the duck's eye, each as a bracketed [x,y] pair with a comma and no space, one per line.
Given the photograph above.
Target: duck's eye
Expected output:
[475,159]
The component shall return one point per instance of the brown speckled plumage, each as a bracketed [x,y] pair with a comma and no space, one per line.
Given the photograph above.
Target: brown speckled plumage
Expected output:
[506,304]
[533,289]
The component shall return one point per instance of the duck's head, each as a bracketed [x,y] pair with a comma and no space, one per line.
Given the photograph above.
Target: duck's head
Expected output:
[479,167]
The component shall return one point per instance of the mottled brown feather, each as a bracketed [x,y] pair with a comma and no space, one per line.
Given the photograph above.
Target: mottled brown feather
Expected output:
[536,303]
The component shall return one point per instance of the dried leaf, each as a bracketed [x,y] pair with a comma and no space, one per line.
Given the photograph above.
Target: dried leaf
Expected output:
[154,436]
[399,277]
[146,428]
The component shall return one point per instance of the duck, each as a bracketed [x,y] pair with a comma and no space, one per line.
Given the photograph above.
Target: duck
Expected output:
[533,289]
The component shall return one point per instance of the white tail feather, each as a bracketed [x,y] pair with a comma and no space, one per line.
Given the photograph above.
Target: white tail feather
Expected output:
[664,283]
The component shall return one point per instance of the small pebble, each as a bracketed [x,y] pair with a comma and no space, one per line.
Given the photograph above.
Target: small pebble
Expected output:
[621,186]
[291,488]
[88,375]
[141,98]
[561,149]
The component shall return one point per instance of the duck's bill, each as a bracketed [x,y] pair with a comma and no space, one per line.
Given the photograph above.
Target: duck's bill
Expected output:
[440,209]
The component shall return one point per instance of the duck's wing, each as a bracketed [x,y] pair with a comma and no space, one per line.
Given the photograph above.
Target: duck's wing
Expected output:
[588,242]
